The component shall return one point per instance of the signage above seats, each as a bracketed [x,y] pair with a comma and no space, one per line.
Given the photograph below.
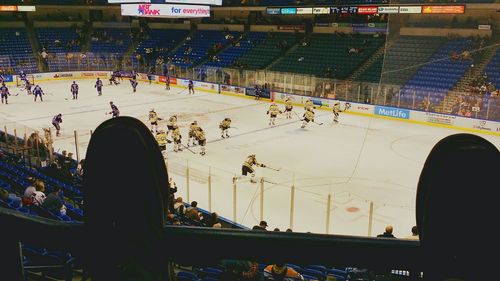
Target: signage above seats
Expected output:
[165,10]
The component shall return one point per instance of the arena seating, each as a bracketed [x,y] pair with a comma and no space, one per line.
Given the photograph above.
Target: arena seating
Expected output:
[163,39]
[109,40]
[263,54]
[373,72]
[402,59]
[195,50]
[334,52]
[439,75]
[493,70]
[231,54]
[16,51]
[48,36]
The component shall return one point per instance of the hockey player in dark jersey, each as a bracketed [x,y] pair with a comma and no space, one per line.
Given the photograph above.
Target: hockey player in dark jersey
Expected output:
[98,86]
[38,92]
[74,90]
[112,79]
[56,121]
[114,110]
[28,86]
[191,87]
[4,93]
[134,83]
[167,82]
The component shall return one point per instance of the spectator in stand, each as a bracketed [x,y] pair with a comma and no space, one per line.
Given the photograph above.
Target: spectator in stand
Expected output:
[213,221]
[276,229]
[179,206]
[288,230]
[4,194]
[261,227]
[54,203]
[281,272]
[387,233]
[236,270]
[34,194]
[193,213]
[414,234]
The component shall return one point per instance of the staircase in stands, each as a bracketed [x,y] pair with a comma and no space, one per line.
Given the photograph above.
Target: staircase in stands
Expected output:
[467,80]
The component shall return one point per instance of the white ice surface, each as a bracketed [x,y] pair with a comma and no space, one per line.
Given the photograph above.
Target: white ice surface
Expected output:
[358,161]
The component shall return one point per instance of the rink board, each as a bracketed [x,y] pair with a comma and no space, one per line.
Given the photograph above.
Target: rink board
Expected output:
[392,113]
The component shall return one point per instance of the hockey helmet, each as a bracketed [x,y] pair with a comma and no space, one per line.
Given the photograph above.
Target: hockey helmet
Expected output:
[160,132]
[195,122]
[110,102]
[337,103]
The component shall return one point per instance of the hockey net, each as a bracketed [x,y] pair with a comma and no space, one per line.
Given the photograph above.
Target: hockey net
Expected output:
[21,83]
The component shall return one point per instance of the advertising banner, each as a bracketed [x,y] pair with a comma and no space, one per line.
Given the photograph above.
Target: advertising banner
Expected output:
[410,9]
[392,112]
[460,9]
[388,9]
[321,10]
[304,11]
[232,89]
[8,78]
[165,10]
[367,10]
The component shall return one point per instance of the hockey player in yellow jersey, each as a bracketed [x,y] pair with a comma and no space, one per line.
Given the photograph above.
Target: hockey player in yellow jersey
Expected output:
[224,126]
[309,104]
[336,112]
[273,112]
[176,136]
[172,121]
[161,138]
[153,119]
[308,117]
[288,108]
[192,133]
[247,167]
[202,141]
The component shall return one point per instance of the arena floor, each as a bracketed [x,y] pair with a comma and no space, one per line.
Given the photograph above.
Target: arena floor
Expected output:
[358,161]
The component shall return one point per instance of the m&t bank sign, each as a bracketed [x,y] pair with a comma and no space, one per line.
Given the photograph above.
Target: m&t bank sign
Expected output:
[392,112]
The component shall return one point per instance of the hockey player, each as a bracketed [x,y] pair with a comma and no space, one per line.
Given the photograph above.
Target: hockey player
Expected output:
[288,108]
[258,92]
[28,86]
[153,118]
[167,82]
[4,93]
[98,86]
[192,133]
[202,141]
[336,112]
[37,91]
[56,121]
[191,87]
[248,167]
[308,117]
[273,112]
[74,90]
[176,137]
[112,79]
[161,138]
[114,110]
[22,76]
[224,126]
[309,104]
[172,121]
[134,83]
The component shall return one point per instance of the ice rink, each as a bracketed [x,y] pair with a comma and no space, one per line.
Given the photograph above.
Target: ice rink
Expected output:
[358,162]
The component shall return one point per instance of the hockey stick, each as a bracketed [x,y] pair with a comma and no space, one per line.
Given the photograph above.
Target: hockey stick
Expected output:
[274,169]
[318,123]
[297,115]
[188,148]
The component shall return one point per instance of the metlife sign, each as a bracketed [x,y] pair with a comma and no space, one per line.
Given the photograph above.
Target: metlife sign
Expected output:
[392,112]
[165,10]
